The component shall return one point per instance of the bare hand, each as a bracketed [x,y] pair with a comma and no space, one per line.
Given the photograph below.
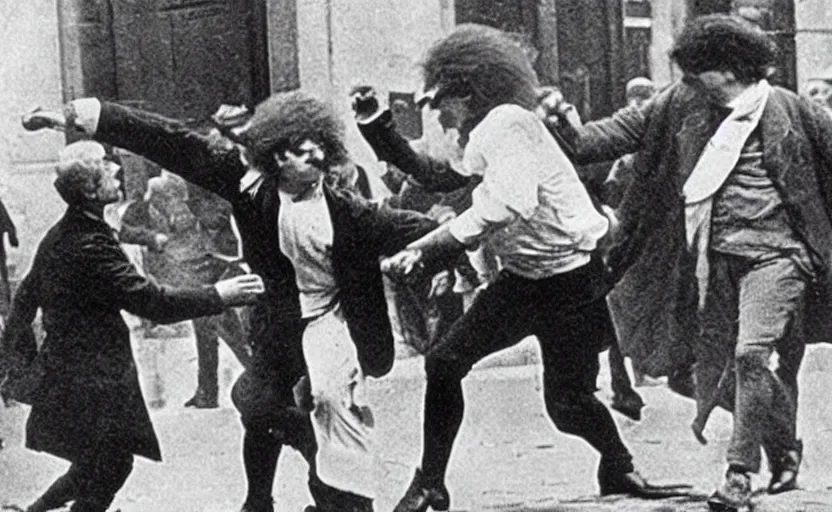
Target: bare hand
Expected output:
[240,290]
[365,102]
[37,119]
[229,116]
[440,284]
[160,240]
[441,213]
[613,234]
[404,266]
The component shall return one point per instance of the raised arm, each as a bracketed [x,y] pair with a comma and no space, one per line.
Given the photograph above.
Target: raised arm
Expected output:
[606,139]
[202,156]
[379,130]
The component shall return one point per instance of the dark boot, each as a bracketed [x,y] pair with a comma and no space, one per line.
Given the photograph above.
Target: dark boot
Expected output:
[207,350]
[84,505]
[629,404]
[62,490]
[784,471]
[623,479]
[734,494]
[421,495]
[258,506]
[203,400]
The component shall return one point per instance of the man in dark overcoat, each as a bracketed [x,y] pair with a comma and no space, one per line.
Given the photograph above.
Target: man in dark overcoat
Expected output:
[726,238]
[87,406]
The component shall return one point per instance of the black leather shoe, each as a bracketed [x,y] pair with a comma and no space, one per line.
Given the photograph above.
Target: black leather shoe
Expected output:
[734,494]
[202,400]
[418,497]
[263,506]
[628,404]
[635,485]
[784,472]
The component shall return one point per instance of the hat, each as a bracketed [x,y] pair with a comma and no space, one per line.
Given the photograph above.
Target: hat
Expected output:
[825,75]
[640,87]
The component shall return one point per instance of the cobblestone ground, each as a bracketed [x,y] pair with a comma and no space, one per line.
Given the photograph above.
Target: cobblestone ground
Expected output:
[508,457]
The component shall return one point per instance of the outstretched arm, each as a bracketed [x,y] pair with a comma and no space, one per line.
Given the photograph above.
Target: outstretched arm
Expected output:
[204,157]
[379,130]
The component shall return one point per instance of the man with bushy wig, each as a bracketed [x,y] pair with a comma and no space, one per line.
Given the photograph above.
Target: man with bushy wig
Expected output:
[540,221]
[318,247]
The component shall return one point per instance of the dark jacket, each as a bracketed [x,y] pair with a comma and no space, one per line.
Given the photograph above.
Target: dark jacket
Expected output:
[390,146]
[655,299]
[89,398]
[6,226]
[363,231]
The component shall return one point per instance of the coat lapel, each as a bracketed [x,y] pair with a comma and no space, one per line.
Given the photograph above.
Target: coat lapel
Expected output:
[697,129]
[775,125]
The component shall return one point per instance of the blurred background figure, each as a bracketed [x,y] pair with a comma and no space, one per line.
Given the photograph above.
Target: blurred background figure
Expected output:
[625,399]
[819,89]
[197,250]
[6,228]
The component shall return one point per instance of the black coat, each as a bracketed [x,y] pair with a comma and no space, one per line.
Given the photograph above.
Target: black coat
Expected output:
[653,303]
[90,397]
[362,231]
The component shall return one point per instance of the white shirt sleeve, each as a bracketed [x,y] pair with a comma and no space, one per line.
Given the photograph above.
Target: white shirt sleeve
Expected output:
[87,114]
[506,148]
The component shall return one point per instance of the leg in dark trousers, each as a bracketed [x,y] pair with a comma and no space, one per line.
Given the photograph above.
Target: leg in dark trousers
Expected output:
[91,483]
[264,396]
[625,399]
[206,331]
[107,475]
[62,491]
[568,313]
[569,344]
[233,334]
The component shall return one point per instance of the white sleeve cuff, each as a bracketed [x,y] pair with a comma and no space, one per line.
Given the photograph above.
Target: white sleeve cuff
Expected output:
[468,227]
[368,120]
[87,114]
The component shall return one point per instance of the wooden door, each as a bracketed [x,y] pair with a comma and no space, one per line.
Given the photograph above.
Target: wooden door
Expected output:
[186,57]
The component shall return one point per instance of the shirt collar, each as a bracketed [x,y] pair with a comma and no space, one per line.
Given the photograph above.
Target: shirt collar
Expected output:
[251,181]
[314,191]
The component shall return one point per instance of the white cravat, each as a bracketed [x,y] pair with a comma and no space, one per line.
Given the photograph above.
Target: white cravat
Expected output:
[715,163]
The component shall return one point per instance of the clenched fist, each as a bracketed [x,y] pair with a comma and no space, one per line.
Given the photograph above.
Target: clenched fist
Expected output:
[365,103]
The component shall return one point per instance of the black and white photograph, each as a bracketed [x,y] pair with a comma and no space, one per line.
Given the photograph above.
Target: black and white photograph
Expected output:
[416,255]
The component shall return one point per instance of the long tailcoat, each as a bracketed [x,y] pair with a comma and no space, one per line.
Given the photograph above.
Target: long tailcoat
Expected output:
[362,231]
[654,304]
[89,397]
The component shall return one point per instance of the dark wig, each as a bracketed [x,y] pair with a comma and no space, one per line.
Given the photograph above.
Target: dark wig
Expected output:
[284,120]
[482,62]
[719,42]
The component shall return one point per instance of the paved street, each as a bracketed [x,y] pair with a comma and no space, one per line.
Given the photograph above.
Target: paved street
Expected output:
[508,456]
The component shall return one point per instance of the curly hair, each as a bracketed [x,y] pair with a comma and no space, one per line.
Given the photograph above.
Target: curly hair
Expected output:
[482,62]
[77,178]
[285,120]
[719,42]
[79,171]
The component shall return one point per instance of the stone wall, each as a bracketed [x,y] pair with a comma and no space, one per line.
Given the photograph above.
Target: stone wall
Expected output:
[813,38]
[342,43]
[29,75]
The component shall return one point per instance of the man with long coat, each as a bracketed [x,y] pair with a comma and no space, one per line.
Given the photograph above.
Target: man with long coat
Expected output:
[726,239]
[87,406]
